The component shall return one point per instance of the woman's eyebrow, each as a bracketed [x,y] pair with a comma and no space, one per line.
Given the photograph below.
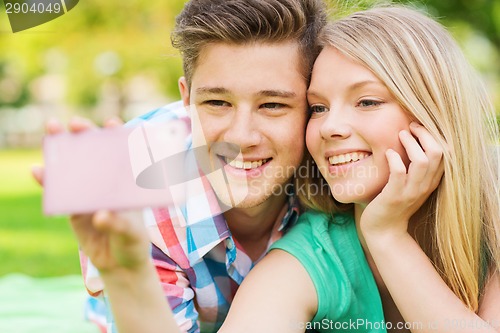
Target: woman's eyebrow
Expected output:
[361,84]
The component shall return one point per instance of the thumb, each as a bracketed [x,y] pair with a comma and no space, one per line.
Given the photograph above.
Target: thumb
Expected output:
[37,173]
[128,226]
[106,221]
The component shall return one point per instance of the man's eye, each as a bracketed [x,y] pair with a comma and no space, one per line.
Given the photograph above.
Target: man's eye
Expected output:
[317,109]
[272,105]
[218,103]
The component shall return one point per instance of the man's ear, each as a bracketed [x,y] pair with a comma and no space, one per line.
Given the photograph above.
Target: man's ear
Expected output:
[184,90]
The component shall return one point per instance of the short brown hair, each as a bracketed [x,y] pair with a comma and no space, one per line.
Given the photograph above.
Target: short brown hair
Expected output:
[203,22]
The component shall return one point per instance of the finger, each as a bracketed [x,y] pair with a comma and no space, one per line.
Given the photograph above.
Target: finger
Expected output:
[113,122]
[121,224]
[82,226]
[104,220]
[53,126]
[397,172]
[80,124]
[79,220]
[419,163]
[111,222]
[427,141]
[37,173]
[433,150]
[438,175]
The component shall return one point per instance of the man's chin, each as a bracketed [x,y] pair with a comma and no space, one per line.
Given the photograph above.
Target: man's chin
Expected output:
[241,200]
[243,196]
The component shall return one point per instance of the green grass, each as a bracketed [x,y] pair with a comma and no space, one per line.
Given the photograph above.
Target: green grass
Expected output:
[31,243]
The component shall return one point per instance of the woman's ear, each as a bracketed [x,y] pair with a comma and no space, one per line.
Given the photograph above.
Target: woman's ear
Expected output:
[184,90]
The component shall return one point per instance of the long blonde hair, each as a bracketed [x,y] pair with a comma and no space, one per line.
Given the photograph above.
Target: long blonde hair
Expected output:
[422,66]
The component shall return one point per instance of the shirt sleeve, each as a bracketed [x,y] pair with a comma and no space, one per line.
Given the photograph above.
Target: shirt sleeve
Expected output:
[178,291]
[176,288]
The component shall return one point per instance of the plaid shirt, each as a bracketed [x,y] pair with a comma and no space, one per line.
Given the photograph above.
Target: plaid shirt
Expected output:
[199,263]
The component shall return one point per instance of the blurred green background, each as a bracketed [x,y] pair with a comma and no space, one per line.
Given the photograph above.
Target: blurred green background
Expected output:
[102,58]
[113,58]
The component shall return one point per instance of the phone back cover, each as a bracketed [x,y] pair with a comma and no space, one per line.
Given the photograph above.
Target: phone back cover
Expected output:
[97,169]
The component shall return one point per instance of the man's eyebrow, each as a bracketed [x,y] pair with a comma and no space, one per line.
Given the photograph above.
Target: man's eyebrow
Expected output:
[263,93]
[212,90]
[277,93]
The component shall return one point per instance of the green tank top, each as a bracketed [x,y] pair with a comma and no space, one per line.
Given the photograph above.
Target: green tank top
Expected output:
[329,249]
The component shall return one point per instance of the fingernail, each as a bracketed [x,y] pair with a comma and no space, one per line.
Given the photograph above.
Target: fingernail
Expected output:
[414,124]
[52,124]
[113,121]
[404,132]
[102,214]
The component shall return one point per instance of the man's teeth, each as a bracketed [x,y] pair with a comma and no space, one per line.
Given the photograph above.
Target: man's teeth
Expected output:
[347,158]
[247,165]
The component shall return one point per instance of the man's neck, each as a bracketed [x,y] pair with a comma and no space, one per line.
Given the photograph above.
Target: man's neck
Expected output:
[252,227]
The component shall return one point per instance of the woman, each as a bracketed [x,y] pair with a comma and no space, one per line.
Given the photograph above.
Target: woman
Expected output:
[382,74]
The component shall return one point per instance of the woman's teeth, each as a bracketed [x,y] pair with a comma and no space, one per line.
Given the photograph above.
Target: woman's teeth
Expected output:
[347,158]
[247,165]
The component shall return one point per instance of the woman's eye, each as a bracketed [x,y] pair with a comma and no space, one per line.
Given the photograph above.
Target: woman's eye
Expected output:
[317,109]
[366,103]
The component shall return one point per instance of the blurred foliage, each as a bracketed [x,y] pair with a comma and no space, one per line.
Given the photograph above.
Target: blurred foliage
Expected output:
[483,15]
[476,26]
[136,33]
[117,40]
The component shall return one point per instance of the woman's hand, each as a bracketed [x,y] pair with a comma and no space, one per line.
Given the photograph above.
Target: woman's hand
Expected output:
[407,189]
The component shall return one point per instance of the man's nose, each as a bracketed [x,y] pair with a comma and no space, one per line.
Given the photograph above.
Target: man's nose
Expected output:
[243,130]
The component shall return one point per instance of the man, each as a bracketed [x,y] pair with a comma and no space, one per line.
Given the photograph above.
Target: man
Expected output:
[246,65]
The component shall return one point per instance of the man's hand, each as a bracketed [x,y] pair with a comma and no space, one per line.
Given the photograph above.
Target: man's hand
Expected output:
[112,241]
[75,125]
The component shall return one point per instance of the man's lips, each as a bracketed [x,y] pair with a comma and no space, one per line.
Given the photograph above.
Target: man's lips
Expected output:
[246,163]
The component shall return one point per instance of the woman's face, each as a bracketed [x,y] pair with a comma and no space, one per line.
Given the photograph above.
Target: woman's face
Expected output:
[354,120]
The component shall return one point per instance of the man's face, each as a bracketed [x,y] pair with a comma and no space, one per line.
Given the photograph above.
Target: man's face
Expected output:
[248,107]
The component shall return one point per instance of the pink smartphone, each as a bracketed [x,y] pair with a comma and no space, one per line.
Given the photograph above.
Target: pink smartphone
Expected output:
[117,168]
